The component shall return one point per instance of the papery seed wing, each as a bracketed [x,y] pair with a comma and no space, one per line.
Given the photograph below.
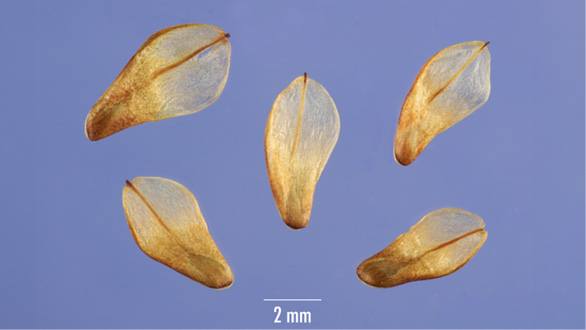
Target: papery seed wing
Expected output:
[167,224]
[301,133]
[440,227]
[177,71]
[450,86]
[438,245]
[198,81]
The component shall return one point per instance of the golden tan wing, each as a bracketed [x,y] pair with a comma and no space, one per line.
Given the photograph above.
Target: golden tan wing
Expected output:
[167,224]
[450,86]
[438,245]
[177,71]
[301,133]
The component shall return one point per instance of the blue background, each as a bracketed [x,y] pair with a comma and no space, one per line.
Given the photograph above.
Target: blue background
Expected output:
[68,259]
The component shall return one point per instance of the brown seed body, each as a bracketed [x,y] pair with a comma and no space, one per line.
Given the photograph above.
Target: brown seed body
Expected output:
[302,130]
[177,71]
[438,245]
[450,86]
[167,224]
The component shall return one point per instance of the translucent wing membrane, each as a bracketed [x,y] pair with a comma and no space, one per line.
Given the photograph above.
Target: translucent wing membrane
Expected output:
[450,86]
[177,71]
[301,133]
[438,245]
[167,224]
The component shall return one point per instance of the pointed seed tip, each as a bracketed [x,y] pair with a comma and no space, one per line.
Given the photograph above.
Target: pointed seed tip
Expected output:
[296,226]
[89,133]
[401,162]
[227,35]
[225,286]
[365,278]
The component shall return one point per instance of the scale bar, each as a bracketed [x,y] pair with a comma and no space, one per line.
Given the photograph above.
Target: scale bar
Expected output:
[292,299]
